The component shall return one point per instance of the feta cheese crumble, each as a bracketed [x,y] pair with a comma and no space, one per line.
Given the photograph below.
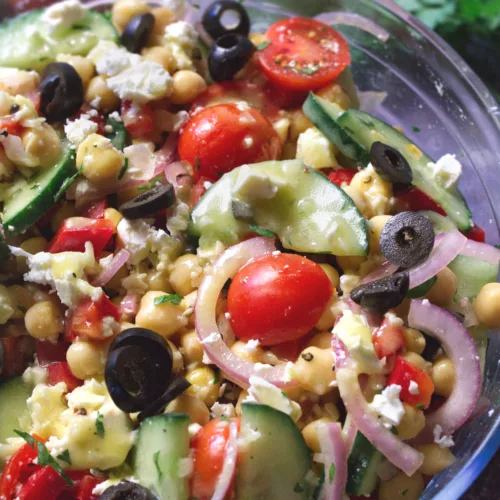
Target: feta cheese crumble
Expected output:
[443,441]
[447,171]
[413,388]
[388,406]
[219,410]
[181,33]
[213,338]
[63,15]
[252,345]
[77,130]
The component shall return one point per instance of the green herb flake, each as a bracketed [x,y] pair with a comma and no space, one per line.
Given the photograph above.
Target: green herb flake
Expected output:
[64,456]
[415,128]
[331,473]
[66,184]
[263,45]
[22,308]
[99,425]
[261,231]
[216,378]
[404,492]
[27,437]
[156,458]
[306,71]
[123,169]
[196,5]
[298,488]
[171,298]
[197,162]
[419,406]
[35,186]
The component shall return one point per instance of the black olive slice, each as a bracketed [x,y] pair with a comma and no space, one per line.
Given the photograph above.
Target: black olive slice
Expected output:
[126,490]
[242,211]
[219,19]
[391,165]
[135,35]
[150,202]
[228,55]
[383,294]
[61,91]
[407,239]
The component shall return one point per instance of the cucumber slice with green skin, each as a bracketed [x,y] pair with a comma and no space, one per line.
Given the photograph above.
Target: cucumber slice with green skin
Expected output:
[274,461]
[118,136]
[13,396]
[4,247]
[440,223]
[26,43]
[366,129]
[421,290]
[324,115]
[307,211]
[362,466]
[162,442]
[33,200]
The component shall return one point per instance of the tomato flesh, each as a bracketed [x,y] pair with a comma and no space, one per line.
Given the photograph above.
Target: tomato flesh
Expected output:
[277,298]
[341,175]
[44,483]
[47,352]
[198,191]
[476,234]
[303,54]
[60,372]
[415,200]
[220,138]
[96,210]
[138,119]
[387,340]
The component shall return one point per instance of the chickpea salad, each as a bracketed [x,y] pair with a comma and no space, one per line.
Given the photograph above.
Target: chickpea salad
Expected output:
[220,278]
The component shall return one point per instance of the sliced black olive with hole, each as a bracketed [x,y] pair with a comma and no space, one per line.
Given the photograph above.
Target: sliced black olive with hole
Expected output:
[242,211]
[390,164]
[383,294]
[226,17]
[135,35]
[407,239]
[126,490]
[228,55]
[150,202]
[61,92]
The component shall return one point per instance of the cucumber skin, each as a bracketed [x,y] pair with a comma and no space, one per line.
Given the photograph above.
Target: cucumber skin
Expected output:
[13,395]
[119,134]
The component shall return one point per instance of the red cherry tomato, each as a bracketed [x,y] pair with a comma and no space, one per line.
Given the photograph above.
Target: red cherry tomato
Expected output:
[11,125]
[415,200]
[209,448]
[85,486]
[47,352]
[96,210]
[44,484]
[477,234]
[341,175]
[138,119]
[387,339]
[303,54]
[404,373]
[277,298]
[290,350]
[60,372]
[198,191]
[217,139]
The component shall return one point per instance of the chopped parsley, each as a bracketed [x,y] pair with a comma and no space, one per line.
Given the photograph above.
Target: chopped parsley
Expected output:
[404,492]
[263,45]
[197,162]
[171,298]
[99,425]
[196,5]
[261,231]
[156,458]
[67,183]
[22,308]
[123,169]
[419,406]
[307,71]
[331,473]
[149,185]
[415,128]
[64,456]
[216,378]
[35,186]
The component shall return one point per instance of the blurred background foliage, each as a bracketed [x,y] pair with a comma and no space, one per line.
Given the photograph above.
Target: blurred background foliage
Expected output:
[471,27]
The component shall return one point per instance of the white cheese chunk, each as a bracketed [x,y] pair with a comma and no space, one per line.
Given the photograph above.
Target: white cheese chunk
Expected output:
[447,171]
[443,441]
[388,406]
[181,33]
[63,15]
[77,130]
[413,388]
[219,410]
[315,149]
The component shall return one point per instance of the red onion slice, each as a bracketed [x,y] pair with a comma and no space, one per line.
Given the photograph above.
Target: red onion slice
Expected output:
[229,468]
[446,248]
[167,153]
[462,350]
[112,268]
[386,269]
[349,431]
[334,452]
[481,251]
[396,451]
[177,174]
[237,369]
[129,306]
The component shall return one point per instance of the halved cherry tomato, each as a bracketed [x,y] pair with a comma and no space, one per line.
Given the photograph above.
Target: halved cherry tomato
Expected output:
[138,119]
[415,200]
[284,98]
[217,139]
[96,210]
[60,372]
[17,354]
[10,125]
[47,352]
[209,448]
[76,231]
[44,484]
[404,373]
[85,487]
[198,191]
[341,175]
[290,350]
[387,339]
[303,54]
[477,234]
[266,299]
[237,91]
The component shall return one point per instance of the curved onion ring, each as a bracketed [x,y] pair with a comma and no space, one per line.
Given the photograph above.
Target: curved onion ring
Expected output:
[386,269]
[129,306]
[481,251]
[227,265]
[462,350]
[229,468]
[349,431]
[334,452]
[396,451]
[112,268]
[351,19]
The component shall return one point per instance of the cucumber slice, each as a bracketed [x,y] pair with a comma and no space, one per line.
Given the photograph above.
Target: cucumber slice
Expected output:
[118,135]
[324,115]
[26,43]
[29,203]
[366,129]
[274,461]
[162,442]
[440,223]
[308,212]
[422,289]
[13,396]
[362,466]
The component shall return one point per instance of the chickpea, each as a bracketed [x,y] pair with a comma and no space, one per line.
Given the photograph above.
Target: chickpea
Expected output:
[321,340]
[418,361]
[298,123]
[327,319]
[314,370]
[444,289]
[375,191]
[66,211]
[487,305]
[6,305]
[114,216]
[375,225]
[100,161]
[186,87]
[411,424]
[332,273]
[192,347]
[254,355]
[195,408]
[178,361]
[188,303]
[21,299]
[164,319]
[42,143]
[100,95]
[205,384]
[124,10]
[334,93]
[243,395]
[443,376]
[310,433]
[257,38]
[163,17]
[83,66]
[186,274]
[402,487]
[160,55]
[44,321]
[7,168]
[31,245]
[159,281]
[436,459]
[414,340]
[282,125]
[86,359]
[350,264]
